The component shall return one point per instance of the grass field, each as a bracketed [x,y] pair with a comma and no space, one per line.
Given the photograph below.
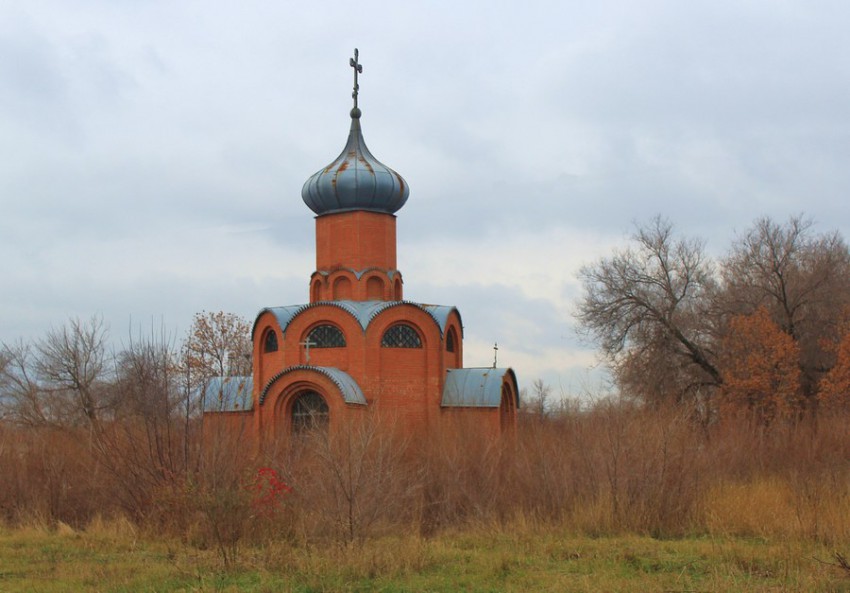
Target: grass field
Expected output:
[111,558]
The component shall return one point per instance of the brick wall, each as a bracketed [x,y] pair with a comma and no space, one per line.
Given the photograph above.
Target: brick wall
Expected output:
[356,240]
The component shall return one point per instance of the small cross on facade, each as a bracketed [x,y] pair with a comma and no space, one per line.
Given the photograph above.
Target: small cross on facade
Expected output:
[358,69]
[307,344]
[495,354]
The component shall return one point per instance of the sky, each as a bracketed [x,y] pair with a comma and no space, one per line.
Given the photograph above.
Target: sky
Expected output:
[152,153]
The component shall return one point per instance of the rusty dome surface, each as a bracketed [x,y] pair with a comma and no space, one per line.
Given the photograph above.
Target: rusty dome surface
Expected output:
[355,180]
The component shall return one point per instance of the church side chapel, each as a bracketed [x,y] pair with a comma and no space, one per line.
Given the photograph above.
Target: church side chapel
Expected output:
[358,347]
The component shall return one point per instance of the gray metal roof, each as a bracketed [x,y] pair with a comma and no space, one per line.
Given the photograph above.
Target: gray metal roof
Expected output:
[356,180]
[229,394]
[476,387]
[348,387]
[363,311]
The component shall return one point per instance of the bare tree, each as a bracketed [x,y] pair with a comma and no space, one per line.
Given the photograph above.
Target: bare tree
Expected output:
[72,362]
[359,474]
[538,403]
[646,306]
[142,445]
[60,381]
[22,399]
[218,345]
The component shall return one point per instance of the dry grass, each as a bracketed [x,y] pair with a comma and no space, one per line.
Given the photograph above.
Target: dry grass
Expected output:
[776,507]
[614,470]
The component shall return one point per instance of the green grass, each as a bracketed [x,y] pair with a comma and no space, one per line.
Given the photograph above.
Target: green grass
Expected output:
[483,560]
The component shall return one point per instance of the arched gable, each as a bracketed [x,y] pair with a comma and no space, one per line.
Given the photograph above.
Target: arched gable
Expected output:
[266,320]
[404,314]
[339,391]
[364,312]
[346,387]
[342,351]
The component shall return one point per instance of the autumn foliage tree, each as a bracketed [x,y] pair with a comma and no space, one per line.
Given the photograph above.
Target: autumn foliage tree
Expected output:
[675,325]
[801,278]
[834,390]
[218,345]
[760,365]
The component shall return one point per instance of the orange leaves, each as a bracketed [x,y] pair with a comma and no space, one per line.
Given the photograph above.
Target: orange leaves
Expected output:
[835,388]
[760,366]
[219,345]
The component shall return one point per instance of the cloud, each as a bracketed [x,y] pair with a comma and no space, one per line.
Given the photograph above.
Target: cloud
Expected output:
[153,153]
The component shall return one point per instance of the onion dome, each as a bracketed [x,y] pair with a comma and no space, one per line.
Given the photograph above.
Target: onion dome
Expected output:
[356,180]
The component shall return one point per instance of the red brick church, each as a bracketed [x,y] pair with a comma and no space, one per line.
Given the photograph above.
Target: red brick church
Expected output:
[358,347]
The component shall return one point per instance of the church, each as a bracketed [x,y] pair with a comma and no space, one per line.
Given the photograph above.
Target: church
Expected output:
[358,346]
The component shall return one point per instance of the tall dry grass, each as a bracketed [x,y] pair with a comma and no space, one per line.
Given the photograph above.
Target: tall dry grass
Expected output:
[612,468]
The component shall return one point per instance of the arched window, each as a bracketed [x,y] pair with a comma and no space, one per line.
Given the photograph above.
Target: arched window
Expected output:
[309,411]
[450,340]
[270,343]
[326,336]
[401,336]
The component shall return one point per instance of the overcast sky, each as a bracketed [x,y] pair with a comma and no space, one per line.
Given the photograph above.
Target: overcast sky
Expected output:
[153,153]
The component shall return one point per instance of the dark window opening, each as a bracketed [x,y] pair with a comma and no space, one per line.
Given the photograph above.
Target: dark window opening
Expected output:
[401,336]
[450,341]
[309,412]
[270,343]
[326,336]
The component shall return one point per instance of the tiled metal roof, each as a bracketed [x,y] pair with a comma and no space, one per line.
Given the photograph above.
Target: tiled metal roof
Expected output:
[228,394]
[363,311]
[348,387]
[476,387]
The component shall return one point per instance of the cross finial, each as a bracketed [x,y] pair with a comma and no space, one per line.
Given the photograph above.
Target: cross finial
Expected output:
[495,354]
[307,343]
[358,69]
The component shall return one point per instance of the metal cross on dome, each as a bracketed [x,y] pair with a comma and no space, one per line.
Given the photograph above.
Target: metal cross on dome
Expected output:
[358,69]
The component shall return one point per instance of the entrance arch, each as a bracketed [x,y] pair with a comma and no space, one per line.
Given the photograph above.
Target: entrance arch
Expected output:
[301,398]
